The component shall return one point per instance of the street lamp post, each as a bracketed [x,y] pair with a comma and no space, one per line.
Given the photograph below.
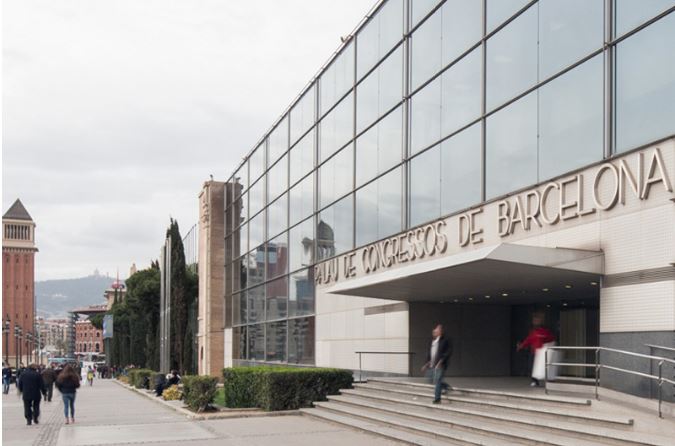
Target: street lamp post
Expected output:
[17,333]
[6,331]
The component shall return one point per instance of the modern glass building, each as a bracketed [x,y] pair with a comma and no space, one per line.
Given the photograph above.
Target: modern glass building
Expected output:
[440,114]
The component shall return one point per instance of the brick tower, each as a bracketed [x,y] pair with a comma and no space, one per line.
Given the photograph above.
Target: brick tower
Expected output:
[18,283]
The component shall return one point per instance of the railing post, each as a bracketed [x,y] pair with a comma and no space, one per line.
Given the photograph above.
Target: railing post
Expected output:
[360,369]
[660,386]
[597,372]
[546,371]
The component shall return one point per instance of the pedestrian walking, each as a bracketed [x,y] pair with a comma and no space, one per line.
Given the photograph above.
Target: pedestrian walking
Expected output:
[90,376]
[49,376]
[438,358]
[6,377]
[31,386]
[538,339]
[68,382]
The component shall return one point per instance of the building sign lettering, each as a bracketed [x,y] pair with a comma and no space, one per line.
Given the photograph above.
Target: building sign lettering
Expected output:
[557,201]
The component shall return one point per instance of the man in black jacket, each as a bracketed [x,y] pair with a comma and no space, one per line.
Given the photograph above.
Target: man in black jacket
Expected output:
[438,358]
[31,386]
[49,376]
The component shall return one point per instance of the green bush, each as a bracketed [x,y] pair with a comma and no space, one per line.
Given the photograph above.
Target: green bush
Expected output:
[199,391]
[137,377]
[281,388]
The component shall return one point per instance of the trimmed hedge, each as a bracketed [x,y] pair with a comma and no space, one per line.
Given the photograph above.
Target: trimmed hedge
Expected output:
[281,388]
[137,377]
[199,391]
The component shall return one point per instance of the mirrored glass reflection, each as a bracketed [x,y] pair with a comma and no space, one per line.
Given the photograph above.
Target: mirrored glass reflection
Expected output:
[277,299]
[301,293]
[276,341]
[335,229]
[301,245]
[301,341]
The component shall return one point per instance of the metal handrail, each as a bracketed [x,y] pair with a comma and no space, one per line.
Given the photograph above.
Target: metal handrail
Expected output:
[598,366]
[660,347]
[376,353]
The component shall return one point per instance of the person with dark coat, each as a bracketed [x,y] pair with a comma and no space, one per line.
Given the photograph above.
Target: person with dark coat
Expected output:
[438,359]
[6,378]
[49,376]
[31,386]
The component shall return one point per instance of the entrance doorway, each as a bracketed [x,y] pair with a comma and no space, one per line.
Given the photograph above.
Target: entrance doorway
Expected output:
[485,333]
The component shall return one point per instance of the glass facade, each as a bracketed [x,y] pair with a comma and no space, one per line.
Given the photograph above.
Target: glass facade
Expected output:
[432,107]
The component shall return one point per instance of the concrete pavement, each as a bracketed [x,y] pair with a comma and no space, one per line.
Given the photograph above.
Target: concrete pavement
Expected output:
[108,414]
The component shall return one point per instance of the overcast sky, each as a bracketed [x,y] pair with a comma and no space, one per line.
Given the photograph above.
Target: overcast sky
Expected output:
[116,111]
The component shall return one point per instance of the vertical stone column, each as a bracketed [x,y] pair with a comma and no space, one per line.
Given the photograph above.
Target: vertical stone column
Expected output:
[211,340]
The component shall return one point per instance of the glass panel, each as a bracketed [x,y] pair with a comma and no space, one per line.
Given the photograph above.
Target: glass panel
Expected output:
[420,8]
[255,266]
[568,31]
[462,27]
[256,197]
[239,342]
[302,200]
[461,93]
[240,210]
[276,341]
[379,147]
[380,91]
[336,176]
[425,121]
[301,245]
[239,274]
[277,256]
[277,216]
[301,294]
[277,179]
[335,229]
[571,120]
[301,341]
[257,163]
[426,52]
[256,342]
[461,170]
[379,36]
[255,304]
[256,228]
[338,78]
[302,115]
[378,208]
[645,85]
[241,177]
[512,59]
[241,239]
[278,141]
[499,11]
[631,13]
[511,147]
[337,128]
[425,186]
[302,157]
[239,308]
[277,299]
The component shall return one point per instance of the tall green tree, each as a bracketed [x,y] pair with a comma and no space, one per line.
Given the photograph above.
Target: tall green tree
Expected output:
[180,349]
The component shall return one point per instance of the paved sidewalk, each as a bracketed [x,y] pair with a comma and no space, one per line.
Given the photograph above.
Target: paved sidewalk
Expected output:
[108,414]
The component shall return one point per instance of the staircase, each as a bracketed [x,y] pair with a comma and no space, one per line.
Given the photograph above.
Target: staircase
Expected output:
[402,411]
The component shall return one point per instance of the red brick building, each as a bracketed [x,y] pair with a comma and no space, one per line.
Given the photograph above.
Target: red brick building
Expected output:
[88,339]
[18,282]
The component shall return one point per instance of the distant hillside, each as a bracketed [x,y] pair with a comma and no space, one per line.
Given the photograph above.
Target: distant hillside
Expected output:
[57,297]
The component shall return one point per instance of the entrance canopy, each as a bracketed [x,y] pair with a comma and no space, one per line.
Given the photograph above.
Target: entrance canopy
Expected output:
[505,272]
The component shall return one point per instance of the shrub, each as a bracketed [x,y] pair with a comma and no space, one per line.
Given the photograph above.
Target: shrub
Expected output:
[172,393]
[123,379]
[199,391]
[137,377]
[281,388]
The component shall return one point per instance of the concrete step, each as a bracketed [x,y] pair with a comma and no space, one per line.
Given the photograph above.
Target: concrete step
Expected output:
[399,435]
[565,413]
[444,413]
[496,394]
[458,430]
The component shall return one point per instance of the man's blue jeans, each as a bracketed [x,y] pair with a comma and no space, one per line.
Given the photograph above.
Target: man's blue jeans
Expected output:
[5,385]
[436,376]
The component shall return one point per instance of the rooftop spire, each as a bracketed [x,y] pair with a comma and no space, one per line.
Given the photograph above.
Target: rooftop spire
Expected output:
[17,212]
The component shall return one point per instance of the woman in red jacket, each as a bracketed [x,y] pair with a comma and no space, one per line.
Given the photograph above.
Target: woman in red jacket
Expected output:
[536,339]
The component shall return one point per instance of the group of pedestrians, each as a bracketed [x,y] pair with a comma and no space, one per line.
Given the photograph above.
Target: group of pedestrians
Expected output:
[37,382]
[440,351]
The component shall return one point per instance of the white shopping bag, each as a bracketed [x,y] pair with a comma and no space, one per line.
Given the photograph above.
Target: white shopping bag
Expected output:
[539,364]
